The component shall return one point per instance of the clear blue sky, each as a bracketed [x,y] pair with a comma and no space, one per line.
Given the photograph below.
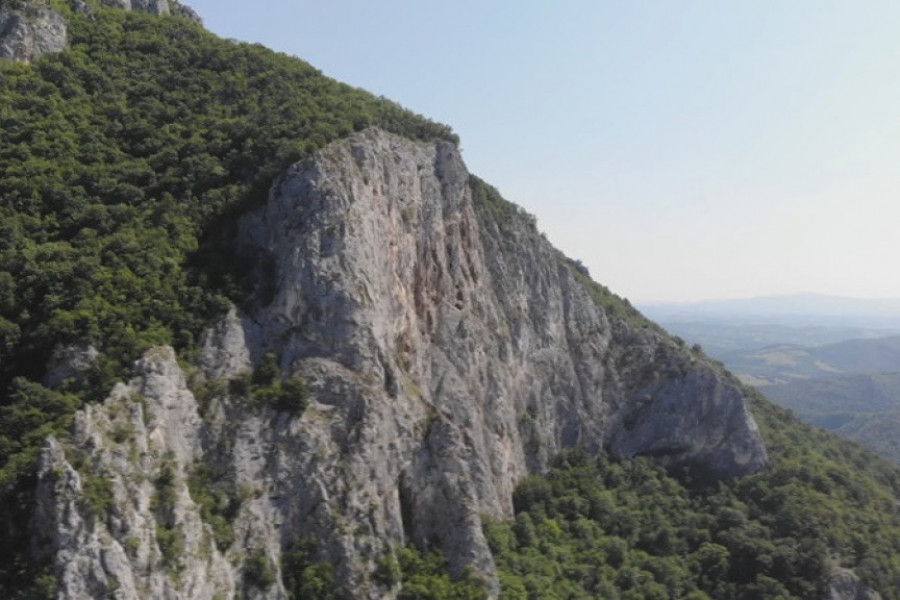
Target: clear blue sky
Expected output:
[683,150]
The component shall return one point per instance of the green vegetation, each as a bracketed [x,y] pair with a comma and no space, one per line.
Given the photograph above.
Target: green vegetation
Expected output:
[169,537]
[861,407]
[171,547]
[486,196]
[267,388]
[880,433]
[304,577]
[423,576]
[602,528]
[263,387]
[259,571]
[97,494]
[125,160]
[219,502]
[612,304]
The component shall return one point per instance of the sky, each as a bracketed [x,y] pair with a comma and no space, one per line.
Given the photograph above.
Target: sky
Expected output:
[682,149]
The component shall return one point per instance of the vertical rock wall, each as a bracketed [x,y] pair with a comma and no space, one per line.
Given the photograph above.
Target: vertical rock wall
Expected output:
[29,32]
[449,351]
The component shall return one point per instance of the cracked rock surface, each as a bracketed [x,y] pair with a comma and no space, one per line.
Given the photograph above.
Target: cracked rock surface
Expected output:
[449,350]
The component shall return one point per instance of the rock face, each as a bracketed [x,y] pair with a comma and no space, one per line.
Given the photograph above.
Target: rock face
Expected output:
[29,32]
[185,12]
[155,7]
[69,362]
[846,585]
[449,351]
[114,523]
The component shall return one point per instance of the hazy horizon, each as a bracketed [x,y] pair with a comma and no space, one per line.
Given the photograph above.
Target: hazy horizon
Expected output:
[682,151]
[787,296]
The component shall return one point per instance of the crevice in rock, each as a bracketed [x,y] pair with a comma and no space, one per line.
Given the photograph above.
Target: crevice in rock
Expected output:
[406,509]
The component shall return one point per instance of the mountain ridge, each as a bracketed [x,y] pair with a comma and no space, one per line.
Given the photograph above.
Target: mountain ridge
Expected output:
[792,309]
[373,350]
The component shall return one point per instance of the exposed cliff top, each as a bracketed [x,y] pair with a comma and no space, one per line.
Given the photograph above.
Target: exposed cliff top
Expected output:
[30,29]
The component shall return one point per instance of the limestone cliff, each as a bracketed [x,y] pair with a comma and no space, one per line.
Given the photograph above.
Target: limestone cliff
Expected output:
[30,28]
[155,7]
[28,31]
[448,349]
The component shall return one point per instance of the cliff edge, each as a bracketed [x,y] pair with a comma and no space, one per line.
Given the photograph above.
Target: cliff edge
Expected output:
[30,29]
[445,349]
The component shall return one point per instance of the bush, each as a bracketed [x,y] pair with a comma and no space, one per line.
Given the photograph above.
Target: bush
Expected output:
[305,577]
[258,571]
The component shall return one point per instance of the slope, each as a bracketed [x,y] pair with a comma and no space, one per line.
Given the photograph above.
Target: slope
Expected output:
[781,363]
[123,160]
[628,530]
[861,407]
[407,347]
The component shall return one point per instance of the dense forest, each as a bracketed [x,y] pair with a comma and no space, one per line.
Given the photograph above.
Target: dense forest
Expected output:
[606,528]
[125,160]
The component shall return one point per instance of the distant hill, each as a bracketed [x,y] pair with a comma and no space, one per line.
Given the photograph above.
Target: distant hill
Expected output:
[834,361]
[794,310]
[861,407]
[721,339]
[790,362]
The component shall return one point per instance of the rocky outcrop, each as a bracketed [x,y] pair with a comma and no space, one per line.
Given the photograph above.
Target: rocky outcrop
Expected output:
[448,351]
[69,362]
[846,585]
[185,12]
[114,507]
[155,7]
[30,31]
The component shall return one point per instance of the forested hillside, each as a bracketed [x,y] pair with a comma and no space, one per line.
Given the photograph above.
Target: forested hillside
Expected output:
[627,529]
[125,161]
[862,407]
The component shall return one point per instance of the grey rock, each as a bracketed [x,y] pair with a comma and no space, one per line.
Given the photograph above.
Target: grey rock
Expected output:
[225,350]
[144,431]
[81,7]
[155,7]
[185,12]
[449,351]
[68,362]
[32,30]
[121,4]
[386,266]
[29,32]
[846,585]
